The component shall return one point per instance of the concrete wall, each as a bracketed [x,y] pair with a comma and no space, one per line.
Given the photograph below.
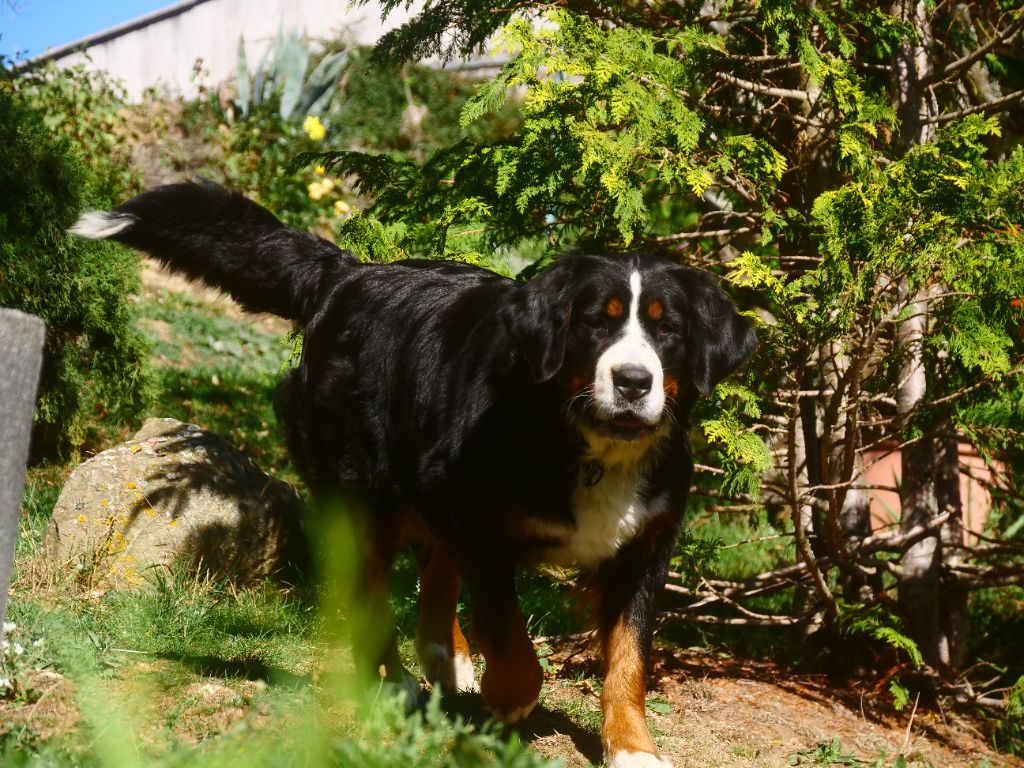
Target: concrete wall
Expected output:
[161,49]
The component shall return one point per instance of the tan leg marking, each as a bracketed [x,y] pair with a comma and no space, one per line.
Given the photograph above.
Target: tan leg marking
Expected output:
[441,647]
[512,677]
[622,701]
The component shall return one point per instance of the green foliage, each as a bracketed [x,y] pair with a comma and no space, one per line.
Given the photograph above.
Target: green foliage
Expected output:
[1009,731]
[694,555]
[600,145]
[299,103]
[940,221]
[88,107]
[826,754]
[900,695]
[878,623]
[94,358]
[258,160]
[437,29]
[406,111]
[284,79]
[743,454]
[386,738]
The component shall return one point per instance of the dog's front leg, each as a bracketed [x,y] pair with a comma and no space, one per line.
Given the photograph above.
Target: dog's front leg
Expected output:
[512,676]
[629,584]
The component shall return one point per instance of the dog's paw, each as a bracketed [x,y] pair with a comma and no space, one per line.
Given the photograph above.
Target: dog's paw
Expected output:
[464,676]
[625,759]
[407,690]
[510,691]
[514,715]
[455,674]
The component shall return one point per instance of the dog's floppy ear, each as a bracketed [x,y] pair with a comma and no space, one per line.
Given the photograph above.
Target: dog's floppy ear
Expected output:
[718,338]
[538,322]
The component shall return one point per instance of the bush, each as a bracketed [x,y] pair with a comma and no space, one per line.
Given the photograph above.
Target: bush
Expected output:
[89,108]
[95,360]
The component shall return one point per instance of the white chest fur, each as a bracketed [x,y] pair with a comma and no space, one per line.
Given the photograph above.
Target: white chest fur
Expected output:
[608,514]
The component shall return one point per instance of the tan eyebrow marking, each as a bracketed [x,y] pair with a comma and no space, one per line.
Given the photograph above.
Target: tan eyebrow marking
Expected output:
[655,310]
[614,308]
[671,385]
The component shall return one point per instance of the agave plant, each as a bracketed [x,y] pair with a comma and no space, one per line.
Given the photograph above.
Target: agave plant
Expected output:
[283,70]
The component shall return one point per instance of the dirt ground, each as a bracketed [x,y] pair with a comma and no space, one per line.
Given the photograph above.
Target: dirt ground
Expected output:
[710,712]
[704,711]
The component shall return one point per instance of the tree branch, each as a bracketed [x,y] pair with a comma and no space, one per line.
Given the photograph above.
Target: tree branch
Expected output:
[991,106]
[967,60]
[697,235]
[764,90]
[740,621]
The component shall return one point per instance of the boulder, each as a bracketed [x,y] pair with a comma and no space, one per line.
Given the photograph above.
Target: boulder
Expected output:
[175,493]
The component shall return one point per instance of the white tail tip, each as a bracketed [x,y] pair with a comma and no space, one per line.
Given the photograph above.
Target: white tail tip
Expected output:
[98,225]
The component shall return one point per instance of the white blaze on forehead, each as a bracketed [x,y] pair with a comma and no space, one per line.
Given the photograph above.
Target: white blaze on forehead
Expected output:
[633,347]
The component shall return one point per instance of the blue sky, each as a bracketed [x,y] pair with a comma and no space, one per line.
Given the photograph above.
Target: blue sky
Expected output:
[32,26]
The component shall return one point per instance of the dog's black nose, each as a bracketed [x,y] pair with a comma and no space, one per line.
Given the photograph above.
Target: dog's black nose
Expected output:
[632,381]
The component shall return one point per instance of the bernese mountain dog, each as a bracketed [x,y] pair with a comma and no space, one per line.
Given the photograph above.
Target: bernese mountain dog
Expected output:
[496,422]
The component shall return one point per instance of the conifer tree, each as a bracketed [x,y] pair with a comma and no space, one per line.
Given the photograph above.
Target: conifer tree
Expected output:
[854,172]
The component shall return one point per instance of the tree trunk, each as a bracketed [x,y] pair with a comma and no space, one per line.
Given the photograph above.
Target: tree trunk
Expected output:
[934,608]
[953,596]
[919,584]
[920,565]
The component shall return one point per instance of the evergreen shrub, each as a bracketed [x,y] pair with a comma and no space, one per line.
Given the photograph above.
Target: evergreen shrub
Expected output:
[95,360]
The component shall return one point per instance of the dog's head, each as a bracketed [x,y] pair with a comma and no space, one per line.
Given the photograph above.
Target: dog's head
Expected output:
[626,336]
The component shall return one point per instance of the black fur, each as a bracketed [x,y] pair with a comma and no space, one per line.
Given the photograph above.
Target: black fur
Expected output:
[223,238]
[448,390]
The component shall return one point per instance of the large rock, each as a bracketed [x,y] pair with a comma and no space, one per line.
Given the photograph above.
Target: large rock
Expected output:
[175,492]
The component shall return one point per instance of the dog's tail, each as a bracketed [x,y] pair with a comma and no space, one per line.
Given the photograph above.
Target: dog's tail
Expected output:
[221,237]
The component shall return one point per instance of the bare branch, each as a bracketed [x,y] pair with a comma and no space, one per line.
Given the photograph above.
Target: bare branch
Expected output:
[764,90]
[741,621]
[697,235]
[895,542]
[967,60]
[991,106]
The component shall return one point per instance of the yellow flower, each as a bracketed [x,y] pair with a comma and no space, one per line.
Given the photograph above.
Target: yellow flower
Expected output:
[314,128]
[341,208]
[319,170]
[318,189]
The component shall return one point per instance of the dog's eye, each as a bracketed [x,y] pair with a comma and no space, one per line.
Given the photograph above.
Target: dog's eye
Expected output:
[667,330]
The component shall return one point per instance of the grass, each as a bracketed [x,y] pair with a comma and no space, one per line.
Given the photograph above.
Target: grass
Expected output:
[220,371]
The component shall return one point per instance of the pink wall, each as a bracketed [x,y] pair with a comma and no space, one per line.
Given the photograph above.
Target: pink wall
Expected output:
[884,470]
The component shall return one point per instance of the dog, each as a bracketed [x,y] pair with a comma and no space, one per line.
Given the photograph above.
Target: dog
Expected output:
[499,423]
